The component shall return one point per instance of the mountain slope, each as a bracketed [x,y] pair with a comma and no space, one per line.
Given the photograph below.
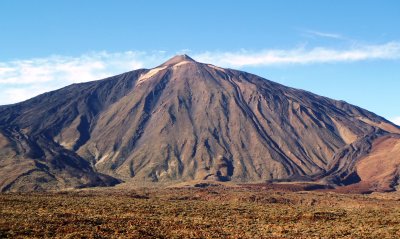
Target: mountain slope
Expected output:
[181,121]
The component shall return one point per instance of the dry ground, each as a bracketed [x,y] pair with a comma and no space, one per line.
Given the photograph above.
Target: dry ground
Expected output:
[212,212]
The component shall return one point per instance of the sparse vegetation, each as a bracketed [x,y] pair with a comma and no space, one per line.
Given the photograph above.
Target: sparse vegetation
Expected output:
[213,212]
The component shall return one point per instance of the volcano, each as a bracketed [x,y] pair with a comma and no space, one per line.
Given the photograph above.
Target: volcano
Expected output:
[185,121]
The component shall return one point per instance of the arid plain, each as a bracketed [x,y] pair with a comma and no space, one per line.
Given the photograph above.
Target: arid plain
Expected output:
[203,211]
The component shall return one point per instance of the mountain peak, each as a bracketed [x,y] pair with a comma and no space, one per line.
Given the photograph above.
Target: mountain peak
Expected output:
[184,121]
[178,59]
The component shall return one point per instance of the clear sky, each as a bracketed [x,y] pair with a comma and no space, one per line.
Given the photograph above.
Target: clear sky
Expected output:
[347,50]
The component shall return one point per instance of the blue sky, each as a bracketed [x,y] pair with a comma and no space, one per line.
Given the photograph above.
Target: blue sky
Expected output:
[347,50]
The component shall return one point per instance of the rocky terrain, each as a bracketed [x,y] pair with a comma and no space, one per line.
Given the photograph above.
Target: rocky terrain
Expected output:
[187,121]
[213,212]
